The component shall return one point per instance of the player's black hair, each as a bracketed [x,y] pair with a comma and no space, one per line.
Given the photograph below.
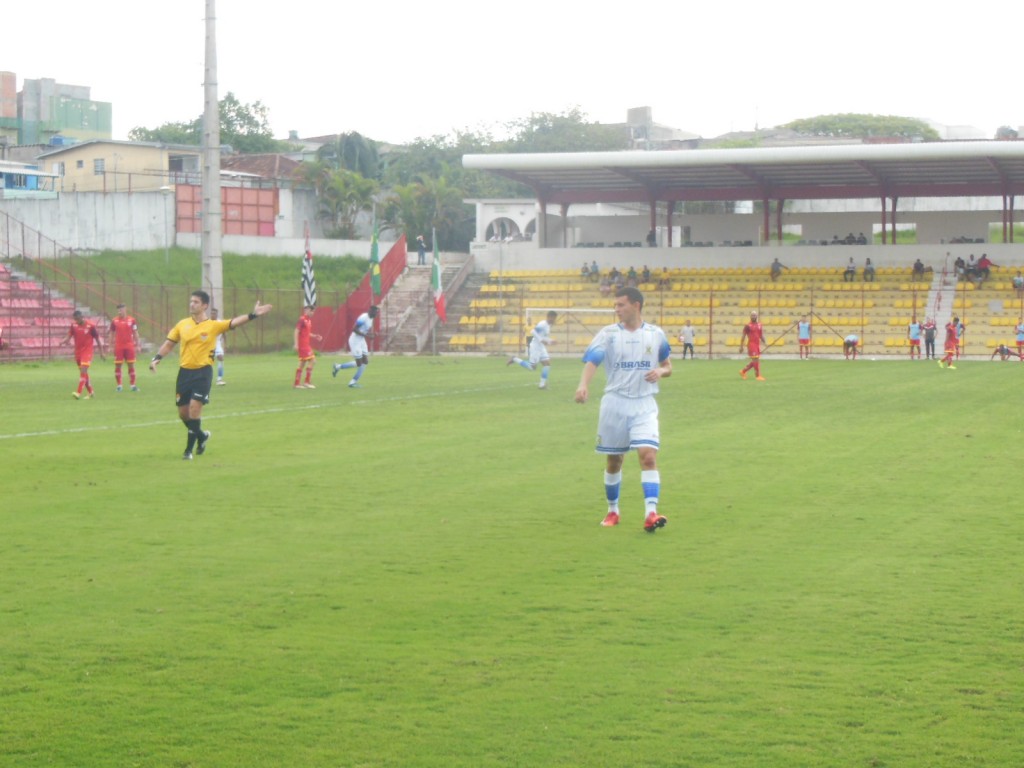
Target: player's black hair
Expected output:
[631,293]
[203,296]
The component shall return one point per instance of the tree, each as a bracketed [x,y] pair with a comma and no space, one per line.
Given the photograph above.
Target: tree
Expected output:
[430,204]
[168,133]
[342,196]
[244,127]
[353,152]
[566,132]
[858,126]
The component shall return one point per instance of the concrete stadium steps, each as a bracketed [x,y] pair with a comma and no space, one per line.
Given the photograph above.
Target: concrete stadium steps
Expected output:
[34,321]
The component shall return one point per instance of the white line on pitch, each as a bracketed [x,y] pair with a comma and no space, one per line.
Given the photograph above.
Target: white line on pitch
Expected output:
[260,412]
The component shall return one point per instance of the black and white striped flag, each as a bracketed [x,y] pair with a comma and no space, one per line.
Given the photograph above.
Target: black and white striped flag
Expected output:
[308,278]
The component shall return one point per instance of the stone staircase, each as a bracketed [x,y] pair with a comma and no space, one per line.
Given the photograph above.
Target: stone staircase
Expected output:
[411,302]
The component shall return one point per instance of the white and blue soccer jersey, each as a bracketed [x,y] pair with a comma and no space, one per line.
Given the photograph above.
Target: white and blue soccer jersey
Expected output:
[627,357]
[357,339]
[539,342]
[542,331]
[1020,331]
[363,324]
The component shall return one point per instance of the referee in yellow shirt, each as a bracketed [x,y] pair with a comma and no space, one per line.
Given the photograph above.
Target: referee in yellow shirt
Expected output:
[197,335]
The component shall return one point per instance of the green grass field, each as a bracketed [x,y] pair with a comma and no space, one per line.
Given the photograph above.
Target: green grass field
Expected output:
[413,574]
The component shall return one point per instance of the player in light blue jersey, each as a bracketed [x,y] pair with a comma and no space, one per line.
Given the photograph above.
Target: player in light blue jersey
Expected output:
[218,353]
[539,350]
[358,347]
[636,356]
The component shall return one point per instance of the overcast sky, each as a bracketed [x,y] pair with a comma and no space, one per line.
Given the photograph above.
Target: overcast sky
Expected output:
[398,70]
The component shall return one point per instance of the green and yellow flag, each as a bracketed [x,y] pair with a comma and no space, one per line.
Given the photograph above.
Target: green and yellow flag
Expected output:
[374,263]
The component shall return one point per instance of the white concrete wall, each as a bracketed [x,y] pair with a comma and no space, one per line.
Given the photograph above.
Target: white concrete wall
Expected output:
[144,221]
[251,245]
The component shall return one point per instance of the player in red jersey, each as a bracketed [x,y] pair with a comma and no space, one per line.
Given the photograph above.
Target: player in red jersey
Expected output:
[952,340]
[86,338]
[124,333]
[303,336]
[753,335]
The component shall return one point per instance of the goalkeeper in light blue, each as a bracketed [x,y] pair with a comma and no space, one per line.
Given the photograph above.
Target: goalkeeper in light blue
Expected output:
[539,350]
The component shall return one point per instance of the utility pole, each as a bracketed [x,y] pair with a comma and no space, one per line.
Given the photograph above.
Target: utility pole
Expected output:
[212,263]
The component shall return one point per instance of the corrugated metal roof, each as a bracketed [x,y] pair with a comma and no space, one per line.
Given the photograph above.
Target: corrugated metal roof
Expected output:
[938,169]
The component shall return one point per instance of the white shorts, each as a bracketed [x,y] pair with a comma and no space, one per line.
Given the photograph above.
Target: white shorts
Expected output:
[357,345]
[627,423]
[538,352]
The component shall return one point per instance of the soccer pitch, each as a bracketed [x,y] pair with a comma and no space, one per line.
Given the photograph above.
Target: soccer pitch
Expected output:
[413,573]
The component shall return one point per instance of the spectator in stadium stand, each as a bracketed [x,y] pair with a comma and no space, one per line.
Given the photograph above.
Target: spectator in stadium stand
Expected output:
[595,273]
[645,274]
[983,269]
[869,272]
[776,269]
[1018,284]
[664,279]
[585,271]
[918,272]
[850,274]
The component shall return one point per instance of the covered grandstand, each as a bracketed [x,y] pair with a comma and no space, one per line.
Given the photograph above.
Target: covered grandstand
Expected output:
[954,194]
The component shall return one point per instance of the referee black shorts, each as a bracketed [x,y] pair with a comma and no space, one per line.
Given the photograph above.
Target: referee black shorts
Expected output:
[194,384]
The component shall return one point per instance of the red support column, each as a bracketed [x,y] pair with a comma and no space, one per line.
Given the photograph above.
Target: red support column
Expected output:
[885,226]
[892,222]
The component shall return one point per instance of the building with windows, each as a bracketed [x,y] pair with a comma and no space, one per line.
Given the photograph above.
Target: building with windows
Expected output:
[121,166]
[46,109]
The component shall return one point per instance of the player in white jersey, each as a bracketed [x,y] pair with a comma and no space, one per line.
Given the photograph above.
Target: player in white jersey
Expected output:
[218,353]
[357,345]
[636,356]
[539,350]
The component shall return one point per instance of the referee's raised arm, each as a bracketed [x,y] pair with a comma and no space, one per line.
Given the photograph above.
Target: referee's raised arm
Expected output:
[258,311]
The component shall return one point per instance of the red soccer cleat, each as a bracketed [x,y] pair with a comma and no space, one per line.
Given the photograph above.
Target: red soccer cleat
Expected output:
[612,518]
[653,522]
